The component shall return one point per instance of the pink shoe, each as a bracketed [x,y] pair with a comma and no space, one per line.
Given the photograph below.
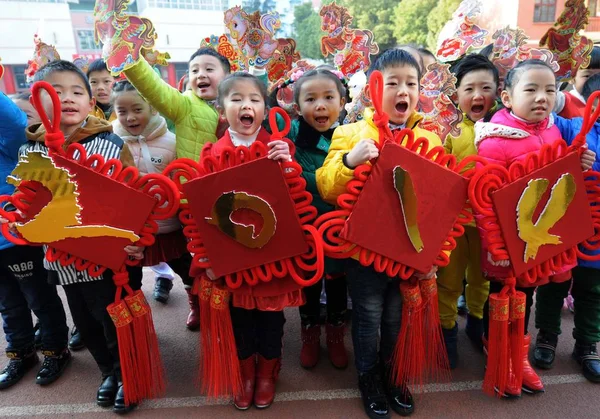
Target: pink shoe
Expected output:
[569,302]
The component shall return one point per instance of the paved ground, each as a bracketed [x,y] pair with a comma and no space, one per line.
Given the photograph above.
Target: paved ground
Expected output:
[322,393]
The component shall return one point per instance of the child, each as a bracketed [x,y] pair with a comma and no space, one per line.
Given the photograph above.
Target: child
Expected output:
[585,285]
[572,104]
[87,296]
[23,102]
[193,112]
[256,312]
[477,86]
[376,300]
[23,279]
[427,57]
[101,82]
[529,96]
[319,98]
[153,148]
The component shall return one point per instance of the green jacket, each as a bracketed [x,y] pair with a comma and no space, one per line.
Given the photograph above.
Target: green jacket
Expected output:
[312,158]
[195,120]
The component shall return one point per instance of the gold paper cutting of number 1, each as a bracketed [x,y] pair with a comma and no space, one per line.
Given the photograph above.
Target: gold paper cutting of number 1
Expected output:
[408,202]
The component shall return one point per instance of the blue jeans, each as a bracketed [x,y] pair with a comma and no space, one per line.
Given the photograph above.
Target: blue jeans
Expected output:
[24,288]
[376,306]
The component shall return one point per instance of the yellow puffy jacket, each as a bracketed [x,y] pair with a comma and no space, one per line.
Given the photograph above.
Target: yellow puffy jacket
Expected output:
[464,145]
[195,120]
[333,176]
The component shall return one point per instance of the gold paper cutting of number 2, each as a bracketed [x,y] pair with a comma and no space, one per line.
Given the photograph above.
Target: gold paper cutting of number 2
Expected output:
[538,234]
[61,218]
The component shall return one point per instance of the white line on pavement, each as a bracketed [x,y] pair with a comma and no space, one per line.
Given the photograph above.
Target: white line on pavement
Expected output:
[291,396]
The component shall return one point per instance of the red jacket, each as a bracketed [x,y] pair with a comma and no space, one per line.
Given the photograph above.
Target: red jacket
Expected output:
[504,140]
[267,296]
[574,107]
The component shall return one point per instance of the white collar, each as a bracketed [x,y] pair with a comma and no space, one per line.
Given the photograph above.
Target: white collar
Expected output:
[240,139]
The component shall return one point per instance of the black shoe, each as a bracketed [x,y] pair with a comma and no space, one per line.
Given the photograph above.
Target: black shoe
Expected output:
[399,397]
[587,356]
[107,391]
[76,343]
[451,342]
[37,336]
[545,349]
[162,288]
[474,330]
[373,396]
[120,407]
[53,366]
[462,306]
[20,362]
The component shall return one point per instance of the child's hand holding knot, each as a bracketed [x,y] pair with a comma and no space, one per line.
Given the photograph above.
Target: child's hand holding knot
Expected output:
[362,152]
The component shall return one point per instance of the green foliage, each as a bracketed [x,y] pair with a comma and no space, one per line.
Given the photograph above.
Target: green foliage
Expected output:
[436,20]
[411,21]
[307,31]
[377,16]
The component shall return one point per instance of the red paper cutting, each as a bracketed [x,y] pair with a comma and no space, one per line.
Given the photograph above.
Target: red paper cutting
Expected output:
[262,178]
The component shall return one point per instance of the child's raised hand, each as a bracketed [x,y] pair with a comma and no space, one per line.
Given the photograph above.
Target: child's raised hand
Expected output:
[362,152]
[588,157]
[135,252]
[279,150]
[503,263]
[427,275]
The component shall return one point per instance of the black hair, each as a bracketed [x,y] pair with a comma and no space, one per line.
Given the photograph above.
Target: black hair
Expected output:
[594,59]
[513,76]
[424,51]
[62,66]
[96,65]
[474,62]
[591,85]
[487,50]
[120,87]
[213,53]
[23,96]
[318,72]
[395,57]
[227,84]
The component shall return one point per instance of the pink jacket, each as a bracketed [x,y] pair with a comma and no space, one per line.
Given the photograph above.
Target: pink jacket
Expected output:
[507,139]
[152,151]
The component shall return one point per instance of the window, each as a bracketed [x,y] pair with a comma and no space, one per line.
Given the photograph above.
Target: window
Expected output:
[20,78]
[86,39]
[544,11]
[594,7]
[190,4]
[181,70]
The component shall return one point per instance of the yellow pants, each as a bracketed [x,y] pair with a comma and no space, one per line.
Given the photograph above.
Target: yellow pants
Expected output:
[465,261]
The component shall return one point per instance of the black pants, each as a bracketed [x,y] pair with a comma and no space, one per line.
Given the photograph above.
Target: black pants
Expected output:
[257,331]
[181,266]
[24,288]
[88,302]
[337,302]
[496,286]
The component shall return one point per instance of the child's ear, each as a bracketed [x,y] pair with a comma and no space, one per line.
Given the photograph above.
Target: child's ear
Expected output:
[297,109]
[92,102]
[505,96]
[153,111]
[342,103]
[367,92]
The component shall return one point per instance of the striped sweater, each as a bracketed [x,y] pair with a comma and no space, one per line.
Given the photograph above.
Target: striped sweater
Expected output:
[97,138]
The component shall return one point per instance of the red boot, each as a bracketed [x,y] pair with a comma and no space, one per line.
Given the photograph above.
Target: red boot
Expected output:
[309,355]
[532,383]
[248,369]
[335,346]
[193,320]
[512,391]
[266,375]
